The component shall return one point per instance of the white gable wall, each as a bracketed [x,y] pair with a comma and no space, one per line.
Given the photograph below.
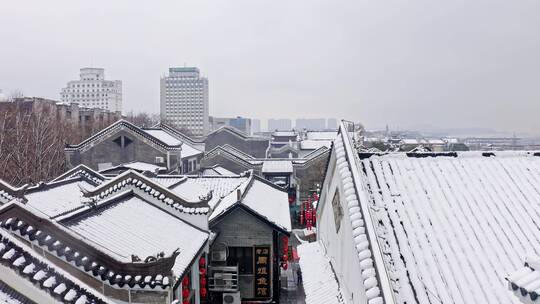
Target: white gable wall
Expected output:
[340,247]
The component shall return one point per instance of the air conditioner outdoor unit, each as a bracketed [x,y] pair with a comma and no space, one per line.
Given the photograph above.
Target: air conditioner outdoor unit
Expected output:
[219,256]
[231,298]
[159,160]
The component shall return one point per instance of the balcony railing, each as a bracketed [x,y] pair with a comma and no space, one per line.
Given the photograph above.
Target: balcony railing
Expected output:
[223,278]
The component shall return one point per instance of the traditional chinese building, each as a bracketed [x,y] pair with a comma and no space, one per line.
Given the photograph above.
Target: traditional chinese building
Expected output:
[127,238]
[424,227]
[123,142]
[144,238]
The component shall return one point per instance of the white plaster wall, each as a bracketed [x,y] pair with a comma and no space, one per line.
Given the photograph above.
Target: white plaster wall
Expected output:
[340,246]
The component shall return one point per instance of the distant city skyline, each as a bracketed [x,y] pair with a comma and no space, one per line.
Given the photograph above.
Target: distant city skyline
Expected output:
[401,63]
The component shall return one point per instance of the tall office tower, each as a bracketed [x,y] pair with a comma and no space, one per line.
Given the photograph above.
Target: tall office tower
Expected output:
[332,123]
[279,124]
[184,100]
[93,91]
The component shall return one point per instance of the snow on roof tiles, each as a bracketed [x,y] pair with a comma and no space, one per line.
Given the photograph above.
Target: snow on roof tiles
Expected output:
[82,171]
[133,226]
[115,127]
[58,198]
[277,166]
[162,135]
[319,279]
[216,171]
[43,274]
[453,228]
[220,186]
[264,199]
[321,135]
[138,166]
[525,282]
[309,144]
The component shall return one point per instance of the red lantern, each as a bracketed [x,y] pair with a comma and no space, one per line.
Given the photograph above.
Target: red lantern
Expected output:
[185,302]
[285,257]
[284,265]
[202,271]
[203,292]
[202,262]
[185,293]
[203,281]
[185,281]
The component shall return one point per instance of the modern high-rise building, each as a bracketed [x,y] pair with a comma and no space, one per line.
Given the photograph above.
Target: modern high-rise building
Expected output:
[184,100]
[93,91]
[279,124]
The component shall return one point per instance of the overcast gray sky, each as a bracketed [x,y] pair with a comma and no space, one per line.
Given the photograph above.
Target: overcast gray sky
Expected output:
[462,63]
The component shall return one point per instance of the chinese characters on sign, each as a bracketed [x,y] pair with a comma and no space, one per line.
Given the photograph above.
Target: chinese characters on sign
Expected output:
[262,271]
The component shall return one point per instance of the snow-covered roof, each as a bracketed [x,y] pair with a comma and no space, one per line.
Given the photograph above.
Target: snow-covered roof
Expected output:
[284,133]
[219,186]
[319,279]
[309,144]
[131,180]
[150,230]
[43,274]
[216,170]
[82,171]
[53,237]
[436,141]
[56,198]
[277,166]
[453,227]
[116,127]
[169,139]
[8,192]
[163,136]
[321,135]
[410,141]
[260,196]
[525,282]
[137,166]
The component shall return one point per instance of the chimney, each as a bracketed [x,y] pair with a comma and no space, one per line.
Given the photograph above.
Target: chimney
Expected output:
[238,195]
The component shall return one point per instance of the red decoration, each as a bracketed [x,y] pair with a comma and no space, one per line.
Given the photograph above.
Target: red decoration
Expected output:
[284,265]
[202,271]
[203,292]
[202,262]
[185,302]
[185,281]
[185,293]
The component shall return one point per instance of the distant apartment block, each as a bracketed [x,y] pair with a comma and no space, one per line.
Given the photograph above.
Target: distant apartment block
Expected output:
[240,123]
[78,117]
[332,124]
[310,124]
[279,124]
[93,91]
[255,126]
[184,100]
